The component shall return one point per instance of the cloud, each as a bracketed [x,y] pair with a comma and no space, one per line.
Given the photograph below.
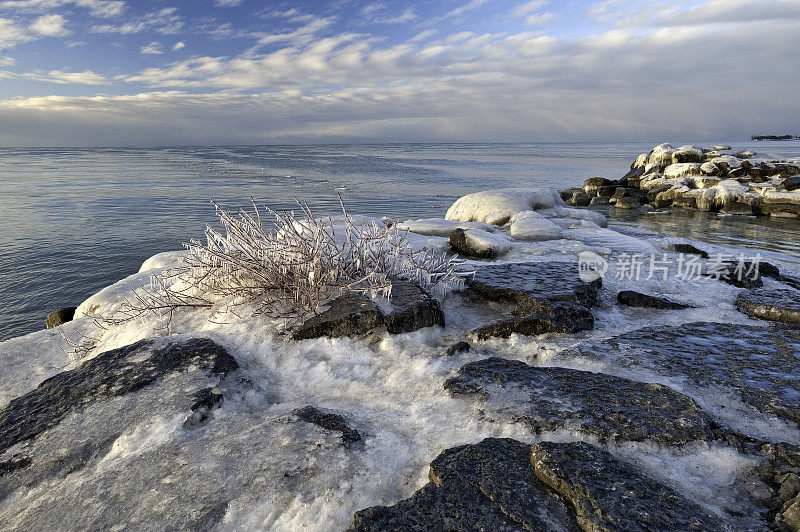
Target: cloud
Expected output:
[227,3]
[527,7]
[154,48]
[301,35]
[97,8]
[80,78]
[462,10]
[165,21]
[6,61]
[11,34]
[537,19]
[50,26]
[178,46]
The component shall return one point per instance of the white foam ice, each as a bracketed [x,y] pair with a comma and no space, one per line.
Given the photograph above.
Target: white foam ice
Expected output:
[496,207]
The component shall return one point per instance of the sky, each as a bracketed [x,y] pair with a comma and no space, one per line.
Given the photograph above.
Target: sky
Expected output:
[199,72]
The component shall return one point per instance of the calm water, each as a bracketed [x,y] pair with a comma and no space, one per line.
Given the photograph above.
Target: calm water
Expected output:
[76,220]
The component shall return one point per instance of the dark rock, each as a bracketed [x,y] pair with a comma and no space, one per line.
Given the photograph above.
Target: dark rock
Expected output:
[458,347]
[607,494]
[743,274]
[738,208]
[689,249]
[770,304]
[786,209]
[739,173]
[627,203]
[568,193]
[60,316]
[412,308]
[487,486]
[789,517]
[791,183]
[686,202]
[607,407]
[579,199]
[15,463]
[565,318]
[632,176]
[462,244]
[662,203]
[653,193]
[534,287]
[620,193]
[606,191]
[110,374]
[751,363]
[591,185]
[350,314]
[328,421]
[599,201]
[205,401]
[637,299]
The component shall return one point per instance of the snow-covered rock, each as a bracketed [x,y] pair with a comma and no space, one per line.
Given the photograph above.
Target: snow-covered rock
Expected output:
[687,154]
[682,170]
[480,243]
[496,207]
[782,197]
[440,227]
[729,191]
[527,226]
[661,154]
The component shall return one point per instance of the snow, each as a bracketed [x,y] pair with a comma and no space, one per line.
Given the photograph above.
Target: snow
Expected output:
[496,207]
[661,154]
[682,170]
[729,191]
[274,472]
[783,197]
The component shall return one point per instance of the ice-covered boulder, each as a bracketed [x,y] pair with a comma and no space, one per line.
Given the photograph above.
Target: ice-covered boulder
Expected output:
[661,154]
[682,170]
[479,243]
[726,163]
[687,154]
[729,191]
[533,226]
[709,169]
[782,197]
[496,207]
[441,227]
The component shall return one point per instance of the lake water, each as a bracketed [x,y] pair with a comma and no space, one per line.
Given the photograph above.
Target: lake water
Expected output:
[76,220]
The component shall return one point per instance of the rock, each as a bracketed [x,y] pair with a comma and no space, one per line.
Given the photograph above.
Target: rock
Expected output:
[772,197]
[661,154]
[627,203]
[568,193]
[328,421]
[599,201]
[653,193]
[607,494]
[600,405]
[205,401]
[110,374]
[479,243]
[640,161]
[458,347]
[746,362]
[412,308]
[689,249]
[490,485]
[607,192]
[780,210]
[709,169]
[350,314]
[591,185]
[440,227]
[635,173]
[687,154]
[726,163]
[579,199]
[737,208]
[770,304]
[704,198]
[496,207]
[682,170]
[534,287]
[533,227]
[740,274]
[563,318]
[722,147]
[705,182]
[60,316]
[791,183]
[789,486]
[687,202]
[790,517]
[636,299]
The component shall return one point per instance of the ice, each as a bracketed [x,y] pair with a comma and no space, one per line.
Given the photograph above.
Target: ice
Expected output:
[530,225]
[484,241]
[729,191]
[255,466]
[496,207]
[440,227]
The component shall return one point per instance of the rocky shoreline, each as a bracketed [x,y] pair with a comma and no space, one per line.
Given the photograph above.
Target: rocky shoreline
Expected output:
[544,395]
[717,178]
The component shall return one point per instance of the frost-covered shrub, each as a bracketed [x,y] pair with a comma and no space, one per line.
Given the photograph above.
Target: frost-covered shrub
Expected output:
[286,270]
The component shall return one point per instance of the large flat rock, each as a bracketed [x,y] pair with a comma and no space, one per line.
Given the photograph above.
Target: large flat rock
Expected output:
[757,364]
[487,486]
[535,286]
[607,494]
[607,407]
[771,304]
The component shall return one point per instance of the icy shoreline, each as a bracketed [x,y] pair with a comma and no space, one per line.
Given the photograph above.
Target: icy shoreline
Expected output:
[686,404]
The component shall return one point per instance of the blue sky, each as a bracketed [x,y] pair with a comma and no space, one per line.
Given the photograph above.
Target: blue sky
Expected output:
[123,72]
